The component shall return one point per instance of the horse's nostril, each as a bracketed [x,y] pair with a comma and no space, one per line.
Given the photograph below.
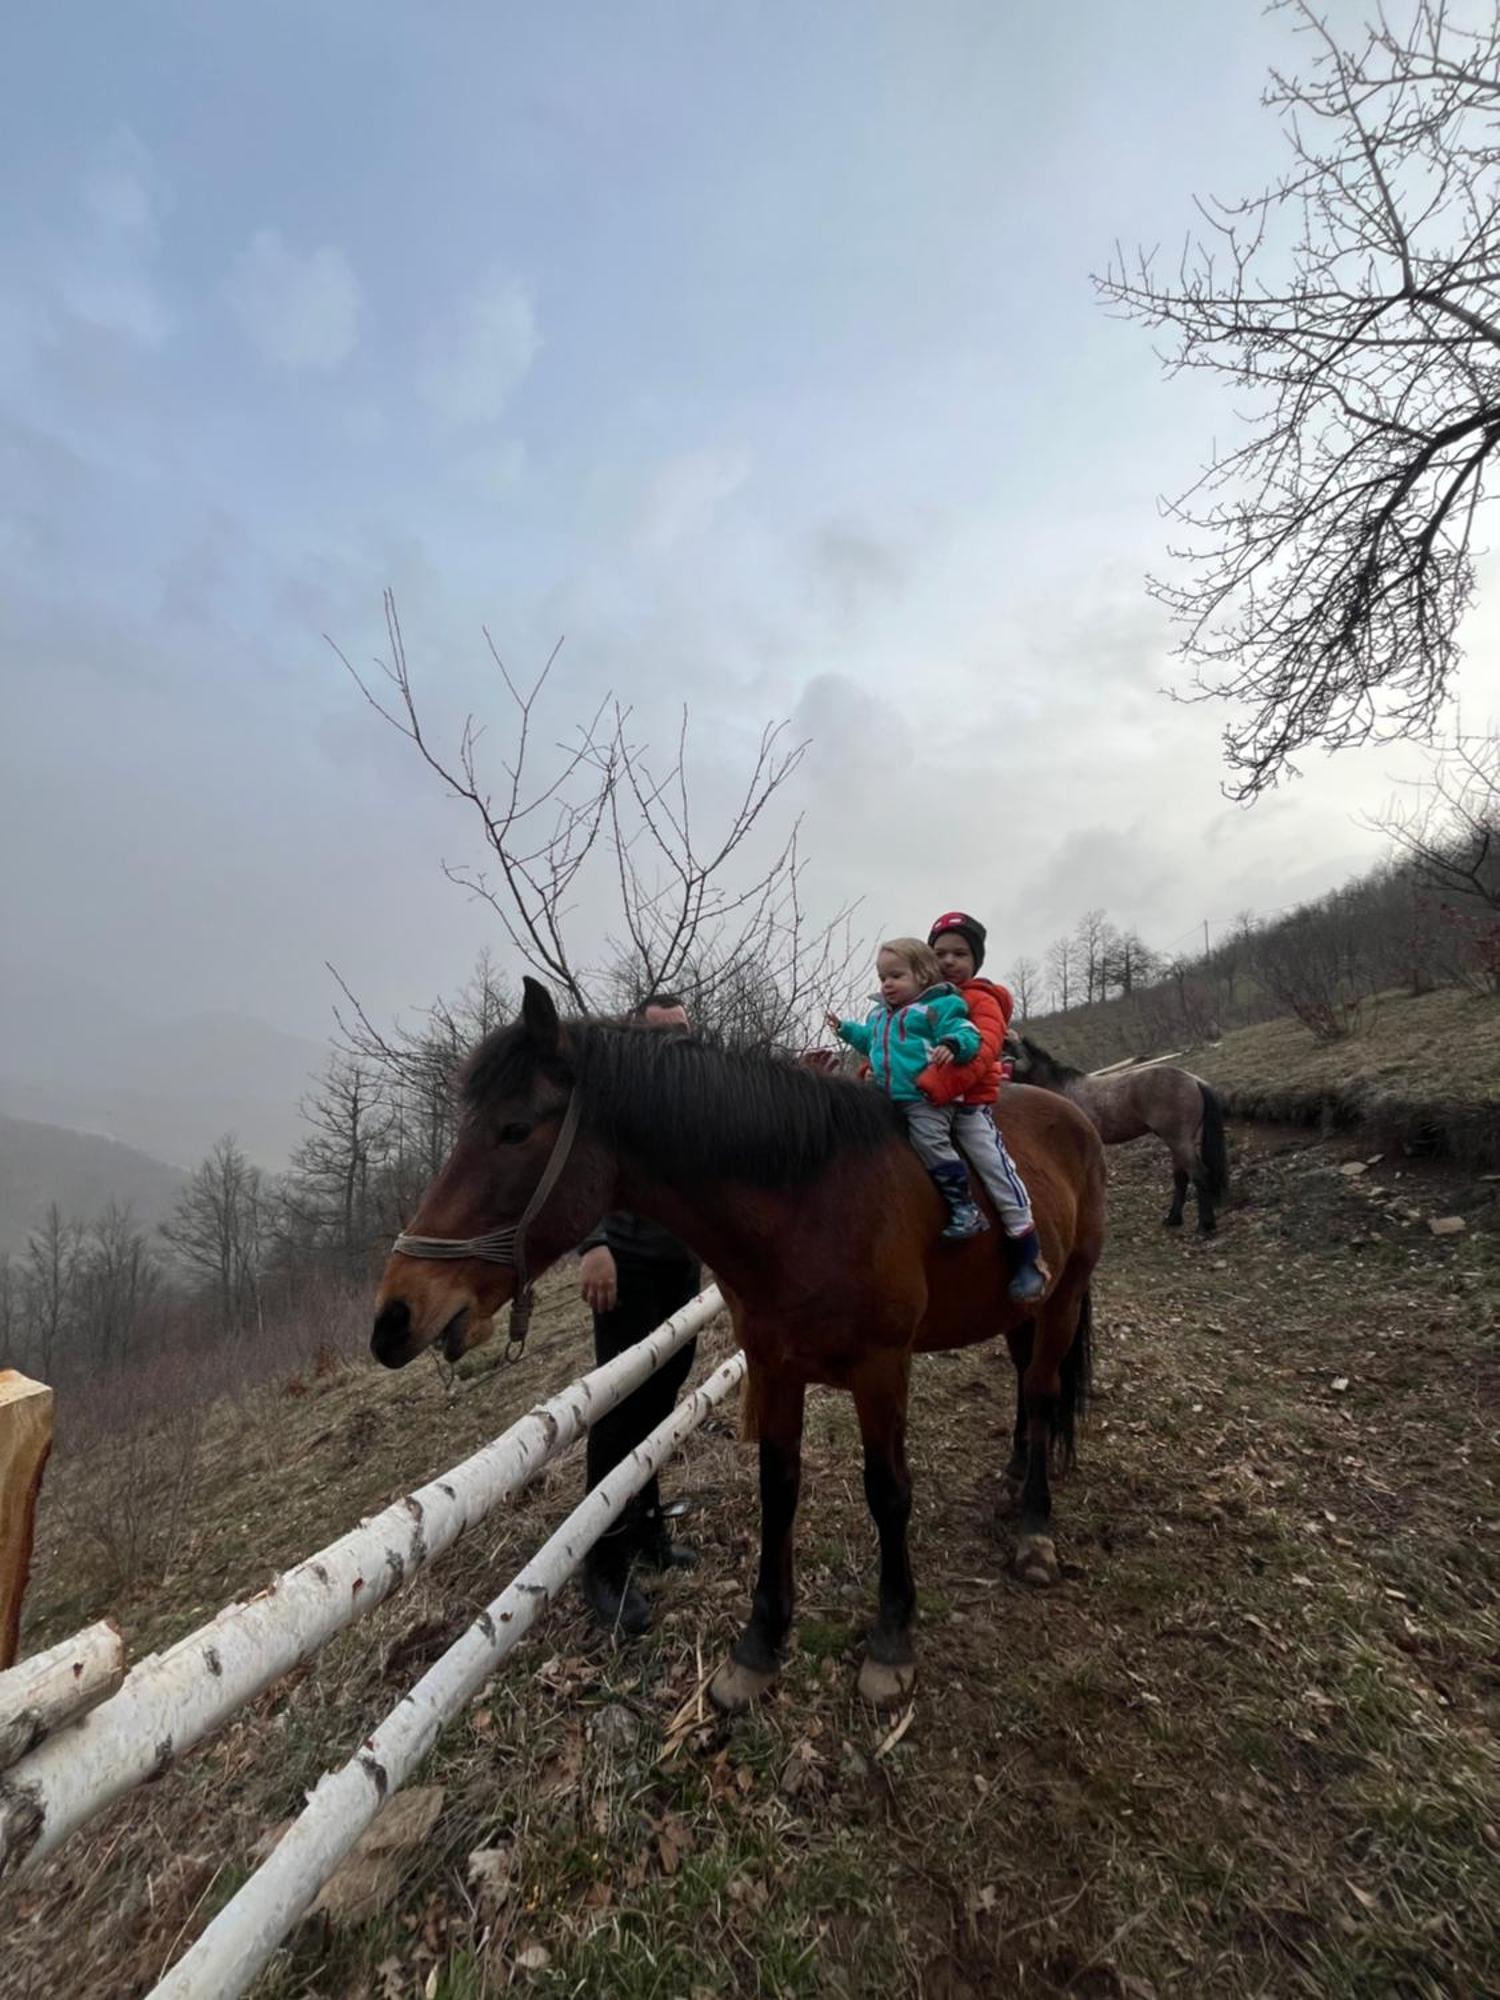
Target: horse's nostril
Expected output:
[392,1332]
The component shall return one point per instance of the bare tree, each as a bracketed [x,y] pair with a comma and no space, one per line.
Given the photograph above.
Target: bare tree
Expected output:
[1128,962]
[53,1256]
[120,1284]
[693,907]
[1452,831]
[333,1185]
[1061,968]
[1357,300]
[220,1230]
[1025,982]
[1095,939]
[12,1311]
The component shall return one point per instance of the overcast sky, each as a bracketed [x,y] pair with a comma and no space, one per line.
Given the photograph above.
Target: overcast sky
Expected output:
[750,346]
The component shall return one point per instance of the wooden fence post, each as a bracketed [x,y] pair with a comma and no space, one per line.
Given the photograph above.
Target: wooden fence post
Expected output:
[25,1440]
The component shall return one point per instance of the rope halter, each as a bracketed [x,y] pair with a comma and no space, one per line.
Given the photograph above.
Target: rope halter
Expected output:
[506,1245]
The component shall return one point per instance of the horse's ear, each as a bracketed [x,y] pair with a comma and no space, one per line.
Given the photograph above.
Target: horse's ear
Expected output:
[539,1016]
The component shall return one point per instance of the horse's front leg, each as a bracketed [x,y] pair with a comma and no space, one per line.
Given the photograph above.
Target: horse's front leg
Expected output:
[880,1396]
[774,1407]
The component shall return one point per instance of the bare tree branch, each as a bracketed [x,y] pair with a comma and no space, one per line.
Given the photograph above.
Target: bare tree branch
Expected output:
[1329,555]
[703,911]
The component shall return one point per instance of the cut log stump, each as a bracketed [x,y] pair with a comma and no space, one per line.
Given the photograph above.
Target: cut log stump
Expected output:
[25,1440]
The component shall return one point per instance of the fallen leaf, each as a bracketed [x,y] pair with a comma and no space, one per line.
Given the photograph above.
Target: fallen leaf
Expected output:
[491,1871]
[890,1742]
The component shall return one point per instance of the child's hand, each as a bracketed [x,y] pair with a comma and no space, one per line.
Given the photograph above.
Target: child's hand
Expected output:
[832,1022]
[940,1057]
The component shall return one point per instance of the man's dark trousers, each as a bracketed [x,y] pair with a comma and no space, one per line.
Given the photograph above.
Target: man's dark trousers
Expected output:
[649,1290]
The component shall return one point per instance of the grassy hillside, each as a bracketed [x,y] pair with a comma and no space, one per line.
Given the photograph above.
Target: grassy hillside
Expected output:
[1248,1745]
[82,1172]
[1420,1072]
[1424,1072]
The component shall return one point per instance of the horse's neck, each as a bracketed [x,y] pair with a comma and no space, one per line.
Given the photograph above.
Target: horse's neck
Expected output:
[729,1232]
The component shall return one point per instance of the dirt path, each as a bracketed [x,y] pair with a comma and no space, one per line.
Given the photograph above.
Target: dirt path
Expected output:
[1248,1746]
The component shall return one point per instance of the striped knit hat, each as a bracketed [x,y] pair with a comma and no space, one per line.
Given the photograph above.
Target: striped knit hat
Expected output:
[970,929]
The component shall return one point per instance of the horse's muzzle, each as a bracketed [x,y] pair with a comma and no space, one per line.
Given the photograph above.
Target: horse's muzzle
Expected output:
[393,1341]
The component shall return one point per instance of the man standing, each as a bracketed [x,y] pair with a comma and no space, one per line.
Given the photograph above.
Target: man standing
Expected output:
[635,1275]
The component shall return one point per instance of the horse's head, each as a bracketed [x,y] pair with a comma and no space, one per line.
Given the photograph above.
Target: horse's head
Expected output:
[516,1142]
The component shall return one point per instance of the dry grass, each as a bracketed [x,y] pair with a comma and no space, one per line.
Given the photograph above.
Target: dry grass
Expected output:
[1420,1072]
[1247,1747]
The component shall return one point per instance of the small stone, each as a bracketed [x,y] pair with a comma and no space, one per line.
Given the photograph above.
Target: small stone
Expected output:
[1354,1168]
[614,1727]
[1447,1225]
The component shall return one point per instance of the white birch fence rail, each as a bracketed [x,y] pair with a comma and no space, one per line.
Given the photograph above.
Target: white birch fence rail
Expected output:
[170,1701]
[245,1933]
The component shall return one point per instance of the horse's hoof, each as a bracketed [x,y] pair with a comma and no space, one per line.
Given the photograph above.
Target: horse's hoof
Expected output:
[1036,1561]
[886,1686]
[734,1688]
[1171,1222]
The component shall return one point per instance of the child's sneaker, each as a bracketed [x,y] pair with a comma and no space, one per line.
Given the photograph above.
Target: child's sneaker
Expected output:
[964,1217]
[1032,1276]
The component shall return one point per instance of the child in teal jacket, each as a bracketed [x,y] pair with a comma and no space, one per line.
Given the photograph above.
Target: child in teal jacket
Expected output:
[920,1022]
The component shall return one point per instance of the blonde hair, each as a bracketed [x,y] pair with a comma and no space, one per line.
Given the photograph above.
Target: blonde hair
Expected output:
[918,957]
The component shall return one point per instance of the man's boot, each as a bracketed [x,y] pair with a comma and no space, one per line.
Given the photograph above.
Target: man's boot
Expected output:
[608,1590]
[659,1549]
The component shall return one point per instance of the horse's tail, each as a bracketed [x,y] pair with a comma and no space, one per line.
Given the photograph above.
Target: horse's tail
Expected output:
[1212,1149]
[1077,1375]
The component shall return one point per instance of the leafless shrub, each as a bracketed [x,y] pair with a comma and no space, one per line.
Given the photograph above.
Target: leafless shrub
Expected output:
[1313,967]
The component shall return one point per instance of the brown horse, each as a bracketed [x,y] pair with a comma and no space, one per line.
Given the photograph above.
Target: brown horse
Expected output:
[1178,1107]
[801,1193]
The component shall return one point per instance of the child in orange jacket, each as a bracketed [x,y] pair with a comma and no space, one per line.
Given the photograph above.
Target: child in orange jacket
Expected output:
[972,1088]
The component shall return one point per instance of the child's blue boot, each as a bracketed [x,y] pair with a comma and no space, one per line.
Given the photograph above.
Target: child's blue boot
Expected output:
[1030,1281]
[951,1179]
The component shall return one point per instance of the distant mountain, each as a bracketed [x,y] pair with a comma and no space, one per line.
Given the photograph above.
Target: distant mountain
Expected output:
[169,1089]
[82,1173]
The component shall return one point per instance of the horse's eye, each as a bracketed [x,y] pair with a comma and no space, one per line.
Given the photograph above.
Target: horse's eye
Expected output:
[512,1135]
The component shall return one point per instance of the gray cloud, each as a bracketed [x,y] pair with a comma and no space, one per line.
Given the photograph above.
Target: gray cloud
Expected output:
[480,354]
[300,309]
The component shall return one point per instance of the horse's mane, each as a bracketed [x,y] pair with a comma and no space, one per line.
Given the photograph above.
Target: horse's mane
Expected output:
[1045,1060]
[687,1110]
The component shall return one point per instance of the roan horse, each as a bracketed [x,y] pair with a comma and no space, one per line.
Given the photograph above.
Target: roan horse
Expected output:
[801,1193]
[1180,1108]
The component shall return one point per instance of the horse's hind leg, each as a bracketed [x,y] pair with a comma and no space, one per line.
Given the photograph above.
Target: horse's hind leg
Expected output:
[1055,1388]
[1208,1221]
[1180,1178]
[880,1396]
[1014,1475]
[775,1406]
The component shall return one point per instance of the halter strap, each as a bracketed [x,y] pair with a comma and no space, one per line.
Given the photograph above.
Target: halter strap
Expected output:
[506,1245]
